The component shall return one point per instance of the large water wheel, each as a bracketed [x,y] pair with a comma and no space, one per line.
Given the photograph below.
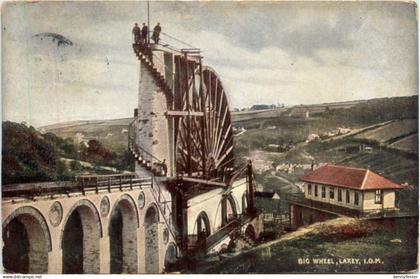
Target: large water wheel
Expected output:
[203,135]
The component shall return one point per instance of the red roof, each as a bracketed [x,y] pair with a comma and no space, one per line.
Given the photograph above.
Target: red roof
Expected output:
[349,177]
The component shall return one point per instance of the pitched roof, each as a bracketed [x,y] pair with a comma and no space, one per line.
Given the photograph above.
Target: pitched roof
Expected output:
[264,194]
[349,177]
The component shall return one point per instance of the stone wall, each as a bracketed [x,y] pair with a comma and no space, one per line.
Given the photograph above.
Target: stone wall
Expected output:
[153,128]
[369,200]
[303,216]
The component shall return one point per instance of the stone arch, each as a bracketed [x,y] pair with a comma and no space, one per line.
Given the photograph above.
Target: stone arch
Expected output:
[202,230]
[151,223]
[27,241]
[232,208]
[152,208]
[170,257]
[218,217]
[202,223]
[250,233]
[122,231]
[244,203]
[80,237]
[132,201]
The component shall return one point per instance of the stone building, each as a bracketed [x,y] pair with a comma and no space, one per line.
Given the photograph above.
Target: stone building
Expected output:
[333,190]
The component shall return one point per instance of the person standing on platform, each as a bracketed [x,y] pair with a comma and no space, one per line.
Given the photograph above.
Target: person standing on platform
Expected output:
[136,33]
[156,33]
[144,32]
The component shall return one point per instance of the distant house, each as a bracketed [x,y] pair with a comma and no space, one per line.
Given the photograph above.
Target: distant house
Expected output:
[368,149]
[79,137]
[312,137]
[268,202]
[343,131]
[300,112]
[260,107]
[273,147]
[349,187]
[267,195]
[259,188]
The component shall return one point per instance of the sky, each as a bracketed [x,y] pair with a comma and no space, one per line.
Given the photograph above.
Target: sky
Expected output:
[264,52]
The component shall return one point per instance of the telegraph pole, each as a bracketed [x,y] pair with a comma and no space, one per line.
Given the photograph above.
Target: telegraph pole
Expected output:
[148,22]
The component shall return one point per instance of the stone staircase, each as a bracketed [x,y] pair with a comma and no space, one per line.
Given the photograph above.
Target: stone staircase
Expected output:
[146,160]
[145,55]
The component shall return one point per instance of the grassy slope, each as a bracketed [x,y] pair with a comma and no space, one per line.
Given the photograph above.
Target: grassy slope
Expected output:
[391,131]
[398,166]
[98,130]
[409,143]
[30,156]
[335,239]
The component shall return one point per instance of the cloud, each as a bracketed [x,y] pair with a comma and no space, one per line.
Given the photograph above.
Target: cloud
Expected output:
[264,52]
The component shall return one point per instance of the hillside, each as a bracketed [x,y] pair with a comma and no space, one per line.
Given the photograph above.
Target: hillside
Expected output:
[376,111]
[112,133]
[31,156]
[393,145]
[391,131]
[379,246]
[356,136]
[27,156]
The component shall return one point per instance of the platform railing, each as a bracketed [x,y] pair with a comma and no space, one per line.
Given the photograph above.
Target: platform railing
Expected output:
[81,184]
[109,182]
[168,41]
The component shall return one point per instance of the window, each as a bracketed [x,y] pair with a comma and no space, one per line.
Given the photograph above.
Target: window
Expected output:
[309,189]
[347,196]
[356,198]
[323,192]
[378,196]
[316,190]
[339,195]
[331,193]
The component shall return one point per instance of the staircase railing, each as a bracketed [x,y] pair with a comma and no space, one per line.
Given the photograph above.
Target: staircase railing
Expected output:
[145,158]
[164,208]
[155,189]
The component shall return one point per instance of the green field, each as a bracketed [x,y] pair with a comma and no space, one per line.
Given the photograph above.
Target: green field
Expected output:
[389,150]
[392,243]
[393,130]
[109,132]
[409,143]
